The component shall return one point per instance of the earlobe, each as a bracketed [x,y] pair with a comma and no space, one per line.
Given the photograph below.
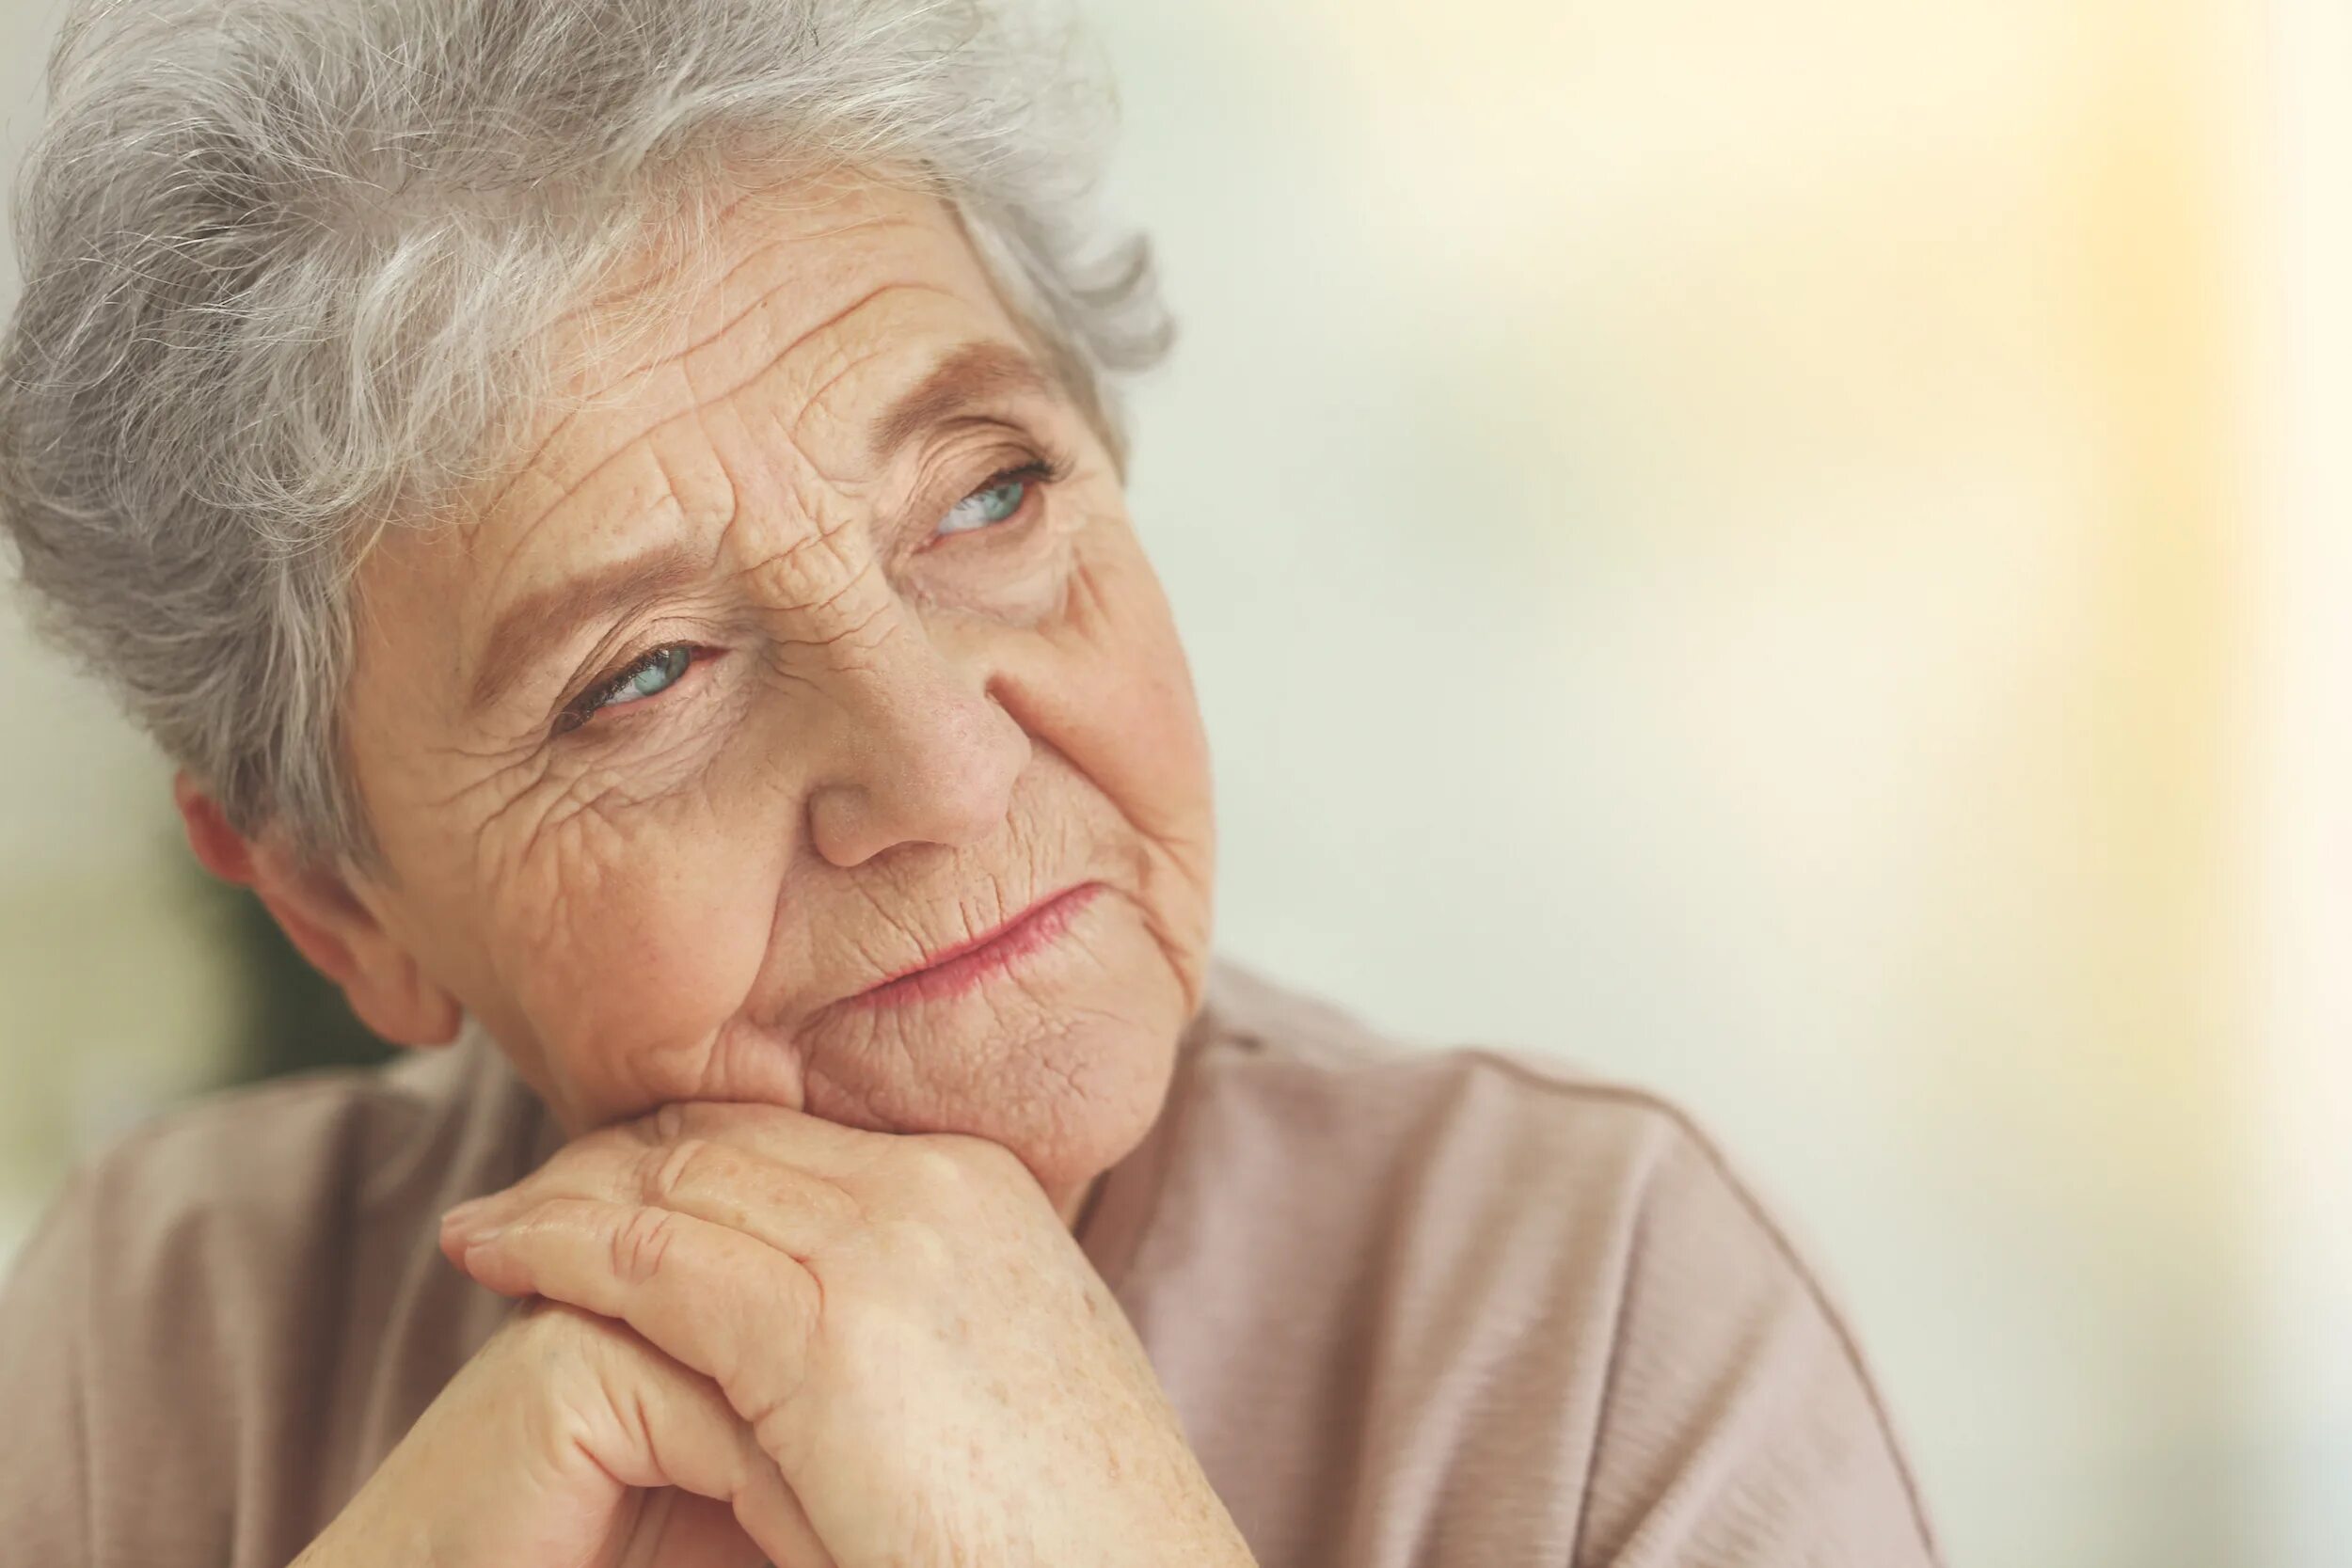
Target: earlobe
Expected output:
[314,939]
[327,923]
[344,940]
[418,1013]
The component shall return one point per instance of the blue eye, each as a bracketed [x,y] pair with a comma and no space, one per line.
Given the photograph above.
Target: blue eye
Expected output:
[648,678]
[1001,498]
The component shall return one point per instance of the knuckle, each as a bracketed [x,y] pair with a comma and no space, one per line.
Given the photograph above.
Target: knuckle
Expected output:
[640,1242]
[935,1170]
[956,1174]
[980,1158]
[917,1248]
[665,1170]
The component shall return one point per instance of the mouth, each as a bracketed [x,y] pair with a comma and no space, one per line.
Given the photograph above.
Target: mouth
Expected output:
[953,970]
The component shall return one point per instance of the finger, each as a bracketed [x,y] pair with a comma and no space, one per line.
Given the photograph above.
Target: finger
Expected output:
[788,1137]
[794,1211]
[663,1425]
[730,1308]
[851,1157]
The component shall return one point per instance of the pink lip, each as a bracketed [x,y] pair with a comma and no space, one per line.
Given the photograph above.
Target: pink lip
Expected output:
[956,970]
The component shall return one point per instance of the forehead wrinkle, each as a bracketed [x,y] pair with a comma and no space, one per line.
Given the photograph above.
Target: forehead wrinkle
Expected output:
[696,405]
[763,300]
[682,365]
[854,358]
[617,294]
[790,425]
[635,372]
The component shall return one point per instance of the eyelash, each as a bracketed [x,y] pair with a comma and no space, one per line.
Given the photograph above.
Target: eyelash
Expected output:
[1043,471]
[585,706]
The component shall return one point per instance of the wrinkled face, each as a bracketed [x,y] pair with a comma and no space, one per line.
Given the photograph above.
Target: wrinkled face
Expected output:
[815,648]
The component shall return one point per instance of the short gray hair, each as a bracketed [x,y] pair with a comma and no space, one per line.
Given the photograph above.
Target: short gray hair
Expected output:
[289,267]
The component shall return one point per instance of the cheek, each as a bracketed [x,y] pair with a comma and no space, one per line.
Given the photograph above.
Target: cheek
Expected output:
[1126,708]
[1107,685]
[627,944]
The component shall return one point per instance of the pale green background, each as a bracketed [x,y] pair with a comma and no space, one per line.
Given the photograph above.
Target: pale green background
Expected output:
[1748,547]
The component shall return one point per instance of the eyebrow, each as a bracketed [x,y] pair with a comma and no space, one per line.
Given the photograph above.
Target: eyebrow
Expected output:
[968,376]
[546,615]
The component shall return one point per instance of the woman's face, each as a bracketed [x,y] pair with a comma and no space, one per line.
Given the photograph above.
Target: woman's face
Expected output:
[819,644]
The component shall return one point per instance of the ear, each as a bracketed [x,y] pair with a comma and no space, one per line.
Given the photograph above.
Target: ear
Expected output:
[326,922]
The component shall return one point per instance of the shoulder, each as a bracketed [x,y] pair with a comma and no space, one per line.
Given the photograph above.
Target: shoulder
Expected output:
[221,1270]
[265,1163]
[204,1208]
[1582,1250]
[1291,1109]
[1513,1126]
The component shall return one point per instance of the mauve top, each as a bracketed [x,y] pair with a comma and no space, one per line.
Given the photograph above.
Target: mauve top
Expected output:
[1440,1308]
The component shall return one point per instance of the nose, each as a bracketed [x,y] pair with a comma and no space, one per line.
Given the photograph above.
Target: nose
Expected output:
[926,756]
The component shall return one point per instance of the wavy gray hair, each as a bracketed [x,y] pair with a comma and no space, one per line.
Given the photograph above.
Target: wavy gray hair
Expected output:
[290,265]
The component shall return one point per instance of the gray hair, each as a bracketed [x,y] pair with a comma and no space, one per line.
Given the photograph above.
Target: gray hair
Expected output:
[290,265]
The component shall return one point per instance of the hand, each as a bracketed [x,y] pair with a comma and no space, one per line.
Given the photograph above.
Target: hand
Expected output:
[903,1323]
[568,1441]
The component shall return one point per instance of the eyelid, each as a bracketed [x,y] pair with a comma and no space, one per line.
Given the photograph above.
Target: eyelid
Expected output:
[1039,472]
[1032,461]
[1002,445]
[590,700]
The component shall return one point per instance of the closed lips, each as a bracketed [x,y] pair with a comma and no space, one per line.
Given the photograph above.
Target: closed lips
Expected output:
[954,968]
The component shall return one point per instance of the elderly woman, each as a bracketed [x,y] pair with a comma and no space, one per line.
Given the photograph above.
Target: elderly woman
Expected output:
[615,508]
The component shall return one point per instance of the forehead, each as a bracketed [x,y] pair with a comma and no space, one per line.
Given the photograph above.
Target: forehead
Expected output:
[810,311]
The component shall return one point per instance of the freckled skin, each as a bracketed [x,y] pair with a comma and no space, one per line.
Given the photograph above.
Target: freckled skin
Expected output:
[889,741]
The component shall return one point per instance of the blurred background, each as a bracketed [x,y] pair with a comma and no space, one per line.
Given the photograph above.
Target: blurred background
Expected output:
[1798,555]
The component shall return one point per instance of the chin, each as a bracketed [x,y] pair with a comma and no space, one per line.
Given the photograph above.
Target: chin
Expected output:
[1070,1090]
[1076,1125]
[1061,1053]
